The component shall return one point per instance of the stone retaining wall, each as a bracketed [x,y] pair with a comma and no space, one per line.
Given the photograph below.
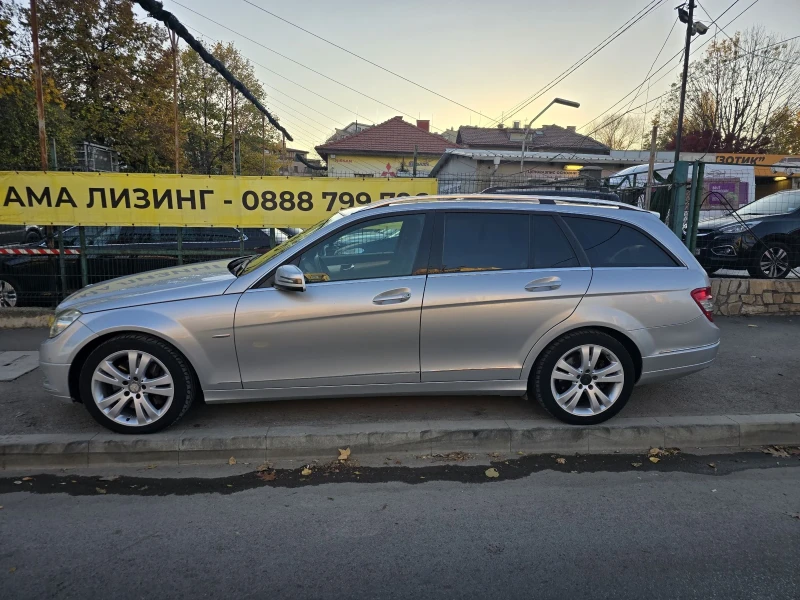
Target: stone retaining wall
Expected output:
[756,296]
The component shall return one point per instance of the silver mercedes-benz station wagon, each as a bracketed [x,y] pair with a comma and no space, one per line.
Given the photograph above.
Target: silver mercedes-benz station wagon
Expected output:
[572,301]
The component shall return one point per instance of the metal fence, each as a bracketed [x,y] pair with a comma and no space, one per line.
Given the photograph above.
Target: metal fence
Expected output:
[65,259]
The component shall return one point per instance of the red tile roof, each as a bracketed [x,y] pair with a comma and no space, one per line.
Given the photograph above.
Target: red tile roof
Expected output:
[390,137]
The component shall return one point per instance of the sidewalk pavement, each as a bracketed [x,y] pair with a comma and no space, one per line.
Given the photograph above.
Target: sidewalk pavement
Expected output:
[756,374]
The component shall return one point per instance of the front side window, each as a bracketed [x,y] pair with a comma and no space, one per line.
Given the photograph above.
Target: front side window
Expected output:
[612,244]
[379,248]
[485,241]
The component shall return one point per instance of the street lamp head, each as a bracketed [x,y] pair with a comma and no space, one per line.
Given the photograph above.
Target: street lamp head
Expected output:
[567,102]
[699,27]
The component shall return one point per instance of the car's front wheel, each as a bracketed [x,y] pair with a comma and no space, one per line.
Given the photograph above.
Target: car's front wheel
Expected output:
[135,383]
[584,377]
[772,262]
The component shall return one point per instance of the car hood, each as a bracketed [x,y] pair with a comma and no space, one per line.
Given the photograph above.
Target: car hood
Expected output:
[163,285]
[719,222]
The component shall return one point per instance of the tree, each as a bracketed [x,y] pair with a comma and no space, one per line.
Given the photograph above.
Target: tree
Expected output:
[114,73]
[735,92]
[787,137]
[618,132]
[205,106]
[19,142]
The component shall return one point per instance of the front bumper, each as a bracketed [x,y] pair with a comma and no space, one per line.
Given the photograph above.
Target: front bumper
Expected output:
[725,251]
[56,380]
[57,354]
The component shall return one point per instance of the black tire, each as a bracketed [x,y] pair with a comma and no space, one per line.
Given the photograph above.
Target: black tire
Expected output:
[539,384]
[10,292]
[773,250]
[32,236]
[184,380]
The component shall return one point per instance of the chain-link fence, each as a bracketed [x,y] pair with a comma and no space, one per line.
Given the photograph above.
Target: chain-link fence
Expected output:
[45,271]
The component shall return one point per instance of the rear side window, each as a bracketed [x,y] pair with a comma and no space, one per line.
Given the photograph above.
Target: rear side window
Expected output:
[485,242]
[611,244]
[549,246]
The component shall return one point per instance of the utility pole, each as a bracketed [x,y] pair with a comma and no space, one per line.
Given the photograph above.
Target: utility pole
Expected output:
[264,144]
[648,193]
[233,128]
[414,168]
[173,38]
[688,19]
[37,77]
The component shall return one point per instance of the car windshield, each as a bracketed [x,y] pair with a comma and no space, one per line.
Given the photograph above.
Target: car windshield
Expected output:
[774,204]
[255,262]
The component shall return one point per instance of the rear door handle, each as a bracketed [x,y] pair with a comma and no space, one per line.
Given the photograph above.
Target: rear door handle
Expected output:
[395,296]
[545,283]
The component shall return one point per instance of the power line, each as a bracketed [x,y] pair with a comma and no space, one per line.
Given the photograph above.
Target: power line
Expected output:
[301,86]
[366,60]
[669,60]
[344,85]
[652,5]
[735,43]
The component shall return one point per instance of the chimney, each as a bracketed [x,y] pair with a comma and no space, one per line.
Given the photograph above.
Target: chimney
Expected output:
[516,124]
[425,125]
[571,128]
[501,126]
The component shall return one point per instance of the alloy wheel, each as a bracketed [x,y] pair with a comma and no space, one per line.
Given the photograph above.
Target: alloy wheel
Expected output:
[132,387]
[8,295]
[587,380]
[774,263]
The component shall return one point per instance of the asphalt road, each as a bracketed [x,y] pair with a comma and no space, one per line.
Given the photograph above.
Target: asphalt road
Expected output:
[658,531]
[755,372]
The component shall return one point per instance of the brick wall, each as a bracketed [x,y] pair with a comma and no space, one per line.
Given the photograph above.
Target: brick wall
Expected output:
[756,296]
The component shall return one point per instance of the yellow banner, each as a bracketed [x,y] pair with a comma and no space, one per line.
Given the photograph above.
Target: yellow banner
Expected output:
[192,200]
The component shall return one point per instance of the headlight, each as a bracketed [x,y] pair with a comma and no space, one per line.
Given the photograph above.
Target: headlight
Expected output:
[63,320]
[739,227]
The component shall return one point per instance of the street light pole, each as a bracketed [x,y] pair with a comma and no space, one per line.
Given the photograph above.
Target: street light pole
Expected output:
[528,126]
[690,30]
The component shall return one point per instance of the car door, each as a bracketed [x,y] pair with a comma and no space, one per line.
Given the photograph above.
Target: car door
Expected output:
[358,320]
[498,281]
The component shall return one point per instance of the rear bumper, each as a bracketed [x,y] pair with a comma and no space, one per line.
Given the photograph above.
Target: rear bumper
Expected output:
[671,365]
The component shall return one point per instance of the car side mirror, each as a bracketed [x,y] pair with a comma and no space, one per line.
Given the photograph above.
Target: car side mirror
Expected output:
[290,278]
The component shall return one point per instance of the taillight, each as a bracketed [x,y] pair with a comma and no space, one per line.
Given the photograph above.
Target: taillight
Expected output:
[705,301]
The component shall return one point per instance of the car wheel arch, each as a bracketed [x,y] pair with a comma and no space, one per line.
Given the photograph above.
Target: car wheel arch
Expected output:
[556,333]
[73,377]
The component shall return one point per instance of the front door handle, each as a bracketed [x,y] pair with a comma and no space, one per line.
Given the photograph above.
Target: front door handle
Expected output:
[545,283]
[395,296]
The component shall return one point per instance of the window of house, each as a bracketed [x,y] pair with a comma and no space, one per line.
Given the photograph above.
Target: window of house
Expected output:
[485,242]
[612,244]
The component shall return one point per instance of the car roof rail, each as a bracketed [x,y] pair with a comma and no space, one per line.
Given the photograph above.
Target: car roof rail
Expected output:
[522,198]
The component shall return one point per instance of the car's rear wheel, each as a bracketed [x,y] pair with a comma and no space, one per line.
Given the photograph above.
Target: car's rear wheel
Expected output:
[9,292]
[772,262]
[135,383]
[584,377]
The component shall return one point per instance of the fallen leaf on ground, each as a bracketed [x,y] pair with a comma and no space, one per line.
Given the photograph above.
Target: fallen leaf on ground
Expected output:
[1,508]
[267,475]
[637,465]
[27,478]
[12,569]
[147,467]
[344,454]
[712,465]
[520,453]
[793,515]
[264,467]
[109,478]
[100,490]
[561,461]
[397,462]
[655,452]
[306,471]
[776,451]
[492,472]
[231,461]
[654,459]
[357,472]
[18,482]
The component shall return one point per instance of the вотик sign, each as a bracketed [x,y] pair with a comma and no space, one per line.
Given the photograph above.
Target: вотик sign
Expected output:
[191,200]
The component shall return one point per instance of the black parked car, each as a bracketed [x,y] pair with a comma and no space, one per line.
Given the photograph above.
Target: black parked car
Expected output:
[762,237]
[115,251]
[20,234]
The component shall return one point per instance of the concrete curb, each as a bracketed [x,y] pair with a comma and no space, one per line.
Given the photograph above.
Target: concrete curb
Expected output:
[21,318]
[256,445]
